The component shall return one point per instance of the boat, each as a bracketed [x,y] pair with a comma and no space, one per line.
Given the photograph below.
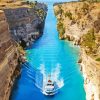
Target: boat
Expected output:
[50,88]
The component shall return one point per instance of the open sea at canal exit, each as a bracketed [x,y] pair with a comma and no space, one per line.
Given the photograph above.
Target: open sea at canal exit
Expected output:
[51,56]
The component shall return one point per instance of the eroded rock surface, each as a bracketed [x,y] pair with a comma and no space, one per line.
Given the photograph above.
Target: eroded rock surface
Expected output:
[80,22]
[20,23]
[26,23]
[8,58]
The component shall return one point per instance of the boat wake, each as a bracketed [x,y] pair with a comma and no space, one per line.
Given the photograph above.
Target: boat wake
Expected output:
[49,82]
[54,76]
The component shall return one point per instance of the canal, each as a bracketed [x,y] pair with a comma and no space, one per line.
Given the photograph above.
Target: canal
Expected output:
[55,57]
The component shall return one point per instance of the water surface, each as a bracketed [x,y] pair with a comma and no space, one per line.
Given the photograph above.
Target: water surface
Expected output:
[51,56]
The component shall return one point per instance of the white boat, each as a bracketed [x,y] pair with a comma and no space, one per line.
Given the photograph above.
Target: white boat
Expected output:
[50,88]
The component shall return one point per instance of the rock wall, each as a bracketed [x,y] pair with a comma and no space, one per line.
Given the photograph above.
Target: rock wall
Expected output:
[22,22]
[26,23]
[91,73]
[80,22]
[3,30]
[76,19]
[8,58]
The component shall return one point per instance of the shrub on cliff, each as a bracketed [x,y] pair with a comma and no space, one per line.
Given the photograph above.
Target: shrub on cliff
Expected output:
[32,4]
[40,13]
[85,8]
[59,11]
[60,28]
[69,15]
[98,59]
[89,41]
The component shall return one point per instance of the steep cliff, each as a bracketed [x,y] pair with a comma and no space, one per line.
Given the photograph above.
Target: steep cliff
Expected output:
[26,20]
[22,22]
[8,58]
[80,22]
[91,73]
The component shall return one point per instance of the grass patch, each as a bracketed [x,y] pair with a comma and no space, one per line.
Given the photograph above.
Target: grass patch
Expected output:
[98,59]
[89,41]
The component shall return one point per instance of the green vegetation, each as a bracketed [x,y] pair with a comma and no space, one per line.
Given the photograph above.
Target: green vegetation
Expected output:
[60,28]
[32,4]
[69,15]
[59,11]
[85,8]
[89,41]
[41,13]
[20,49]
[98,59]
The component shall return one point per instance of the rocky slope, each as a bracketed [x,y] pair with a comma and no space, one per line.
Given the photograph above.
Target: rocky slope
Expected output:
[80,22]
[23,22]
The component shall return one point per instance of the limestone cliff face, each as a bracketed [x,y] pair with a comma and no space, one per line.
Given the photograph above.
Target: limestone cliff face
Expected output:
[80,22]
[8,58]
[26,23]
[22,22]
[77,18]
[91,74]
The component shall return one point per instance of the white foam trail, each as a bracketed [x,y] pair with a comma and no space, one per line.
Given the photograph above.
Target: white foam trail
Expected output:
[56,76]
[42,69]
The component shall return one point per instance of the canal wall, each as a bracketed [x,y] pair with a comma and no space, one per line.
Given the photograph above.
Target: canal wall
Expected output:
[79,22]
[20,23]
[8,58]
[26,22]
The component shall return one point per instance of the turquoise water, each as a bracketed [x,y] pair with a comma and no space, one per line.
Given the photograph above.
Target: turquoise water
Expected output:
[52,56]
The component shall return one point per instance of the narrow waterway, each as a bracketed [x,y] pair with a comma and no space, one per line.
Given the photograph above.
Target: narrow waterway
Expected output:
[52,56]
